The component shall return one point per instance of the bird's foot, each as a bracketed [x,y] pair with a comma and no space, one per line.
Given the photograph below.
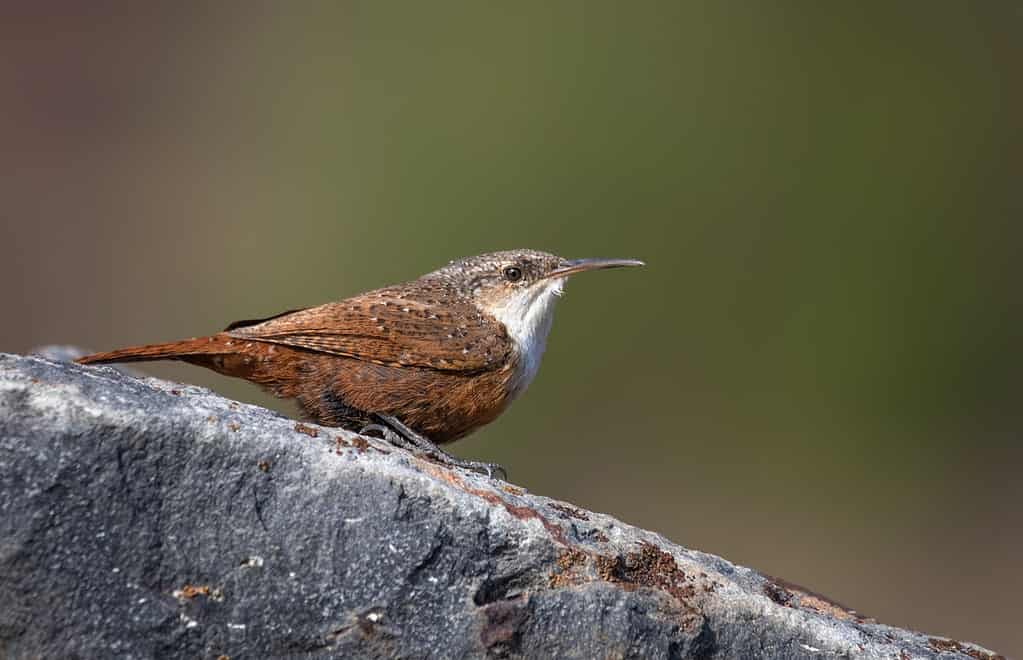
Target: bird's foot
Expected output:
[397,433]
[388,435]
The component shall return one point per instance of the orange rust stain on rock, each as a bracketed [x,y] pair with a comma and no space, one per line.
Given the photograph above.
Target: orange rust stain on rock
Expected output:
[190,591]
[567,512]
[523,513]
[520,512]
[789,594]
[952,646]
[648,567]
[566,573]
[308,430]
[824,606]
[360,444]
[653,568]
[443,474]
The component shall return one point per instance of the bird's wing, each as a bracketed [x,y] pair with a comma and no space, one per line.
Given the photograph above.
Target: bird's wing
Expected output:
[389,328]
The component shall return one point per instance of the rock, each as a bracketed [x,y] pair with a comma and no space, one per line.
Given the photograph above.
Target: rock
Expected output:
[142,518]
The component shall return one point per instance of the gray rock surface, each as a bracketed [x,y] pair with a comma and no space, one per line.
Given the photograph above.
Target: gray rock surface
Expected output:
[145,519]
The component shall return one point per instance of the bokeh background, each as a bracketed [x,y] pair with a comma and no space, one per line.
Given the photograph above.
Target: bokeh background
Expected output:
[817,375]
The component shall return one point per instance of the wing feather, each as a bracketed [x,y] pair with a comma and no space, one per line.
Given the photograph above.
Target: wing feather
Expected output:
[390,328]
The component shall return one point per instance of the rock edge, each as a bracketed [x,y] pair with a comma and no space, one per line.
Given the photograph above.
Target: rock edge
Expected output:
[143,518]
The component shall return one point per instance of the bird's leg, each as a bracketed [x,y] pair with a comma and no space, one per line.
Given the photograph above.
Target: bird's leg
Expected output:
[399,440]
[389,435]
[428,447]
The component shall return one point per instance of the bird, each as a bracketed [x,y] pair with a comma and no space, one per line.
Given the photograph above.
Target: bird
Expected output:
[421,363]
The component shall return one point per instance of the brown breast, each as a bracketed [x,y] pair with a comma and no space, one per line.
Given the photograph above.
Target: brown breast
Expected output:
[444,406]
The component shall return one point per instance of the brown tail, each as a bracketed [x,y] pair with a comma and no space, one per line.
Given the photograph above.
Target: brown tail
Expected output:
[175,350]
[222,353]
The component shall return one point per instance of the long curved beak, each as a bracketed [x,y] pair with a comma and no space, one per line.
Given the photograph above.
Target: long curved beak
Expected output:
[572,266]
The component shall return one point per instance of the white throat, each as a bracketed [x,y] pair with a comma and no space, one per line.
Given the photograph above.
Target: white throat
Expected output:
[527,317]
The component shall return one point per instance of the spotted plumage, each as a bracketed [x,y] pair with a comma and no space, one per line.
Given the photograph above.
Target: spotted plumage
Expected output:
[444,354]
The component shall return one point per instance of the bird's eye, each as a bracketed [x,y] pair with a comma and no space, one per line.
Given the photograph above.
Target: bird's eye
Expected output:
[513,273]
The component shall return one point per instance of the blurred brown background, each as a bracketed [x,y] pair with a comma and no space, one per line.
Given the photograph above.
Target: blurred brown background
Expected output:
[817,375]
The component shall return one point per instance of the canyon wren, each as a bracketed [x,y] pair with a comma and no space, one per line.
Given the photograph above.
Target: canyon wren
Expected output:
[421,363]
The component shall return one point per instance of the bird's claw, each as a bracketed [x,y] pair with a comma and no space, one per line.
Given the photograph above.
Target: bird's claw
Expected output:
[397,433]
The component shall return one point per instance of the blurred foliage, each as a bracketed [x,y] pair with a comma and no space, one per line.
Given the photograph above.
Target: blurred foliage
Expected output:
[813,376]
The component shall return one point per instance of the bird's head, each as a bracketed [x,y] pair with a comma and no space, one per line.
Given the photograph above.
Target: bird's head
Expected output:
[519,287]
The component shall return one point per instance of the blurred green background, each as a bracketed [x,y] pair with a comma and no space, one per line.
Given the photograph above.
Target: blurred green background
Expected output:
[816,375]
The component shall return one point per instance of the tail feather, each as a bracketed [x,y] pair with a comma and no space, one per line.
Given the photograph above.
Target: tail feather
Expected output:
[175,350]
